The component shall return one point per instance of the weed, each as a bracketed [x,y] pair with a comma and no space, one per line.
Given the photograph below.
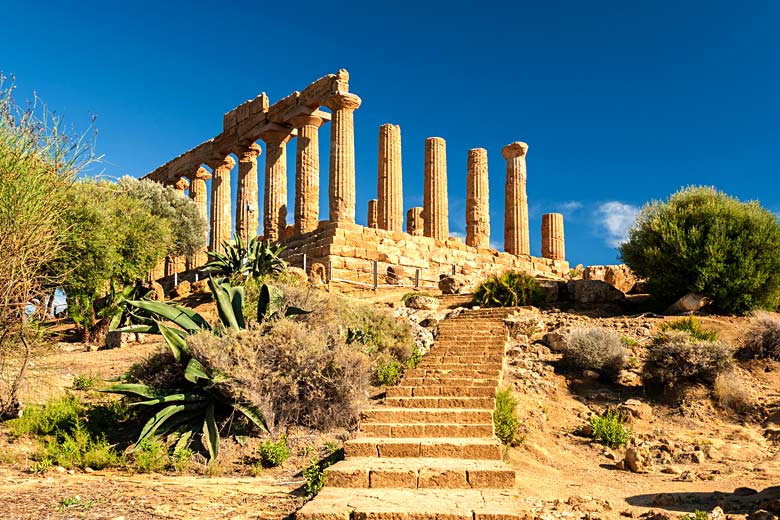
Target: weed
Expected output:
[505,421]
[732,393]
[76,503]
[315,476]
[609,430]
[388,372]
[693,327]
[273,453]
[41,467]
[58,415]
[79,449]
[331,447]
[629,341]
[181,459]
[415,359]
[697,515]
[151,456]
[83,382]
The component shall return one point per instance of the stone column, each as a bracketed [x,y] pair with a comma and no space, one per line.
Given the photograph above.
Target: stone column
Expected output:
[221,206]
[553,245]
[372,213]
[341,185]
[307,173]
[435,213]
[390,187]
[275,200]
[516,235]
[198,196]
[477,200]
[177,264]
[414,221]
[246,199]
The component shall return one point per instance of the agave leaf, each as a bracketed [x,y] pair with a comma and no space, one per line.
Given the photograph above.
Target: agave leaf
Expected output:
[195,370]
[139,389]
[184,440]
[189,397]
[224,302]
[210,433]
[189,321]
[158,419]
[295,311]
[270,302]
[252,413]
[175,341]
[146,329]
[116,320]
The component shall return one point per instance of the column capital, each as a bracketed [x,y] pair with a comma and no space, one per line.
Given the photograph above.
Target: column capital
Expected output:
[201,174]
[307,120]
[249,152]
[516,149]
[343,101]
[276,137]
[181,184]
[226,161]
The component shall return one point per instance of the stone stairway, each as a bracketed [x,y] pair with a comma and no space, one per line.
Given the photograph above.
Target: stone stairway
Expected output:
[429,452]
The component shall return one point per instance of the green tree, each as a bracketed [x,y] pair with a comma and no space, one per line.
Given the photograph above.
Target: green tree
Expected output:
[704,241]
[188,225]
[111,240]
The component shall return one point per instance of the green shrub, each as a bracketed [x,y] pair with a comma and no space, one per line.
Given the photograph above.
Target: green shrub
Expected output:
[692,326]
[597,349]
[703,241]
[151,456]
[505,421]
[762,338]
[511,289]
[60,415]
[609,430]
[315,476]
[697,515]
[78,448]
[388,372]
[273,453]
[677,359]
[85,382]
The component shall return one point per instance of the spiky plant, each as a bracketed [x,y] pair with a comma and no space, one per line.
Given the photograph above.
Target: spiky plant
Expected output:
[250,260]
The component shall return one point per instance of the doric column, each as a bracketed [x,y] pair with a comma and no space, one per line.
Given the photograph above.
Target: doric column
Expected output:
[198,196]
[341,185]
[477,200]
[307,173]
[516,234]
[414,221]
[221,206]
[177,264]
[246,198]
[372,213]
[390,187]
[553,245]
[275,199]
[435,213]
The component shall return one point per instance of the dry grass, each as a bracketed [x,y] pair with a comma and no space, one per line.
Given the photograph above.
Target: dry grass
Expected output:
[732,392]
[597,349]
[762,339]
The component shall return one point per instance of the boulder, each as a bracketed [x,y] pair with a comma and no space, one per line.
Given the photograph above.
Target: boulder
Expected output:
[200,287]
[449,284]
[417,301]
[117,339]
[395,275]
[618,276]
[553,291]
[182,290]
[299,274]
[635,409]
[638,460]
[159,292]
[557,339]
[691,302]
[593,291]
[317,274]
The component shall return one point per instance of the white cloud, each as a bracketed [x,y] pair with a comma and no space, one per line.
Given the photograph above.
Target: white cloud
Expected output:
[615,218]
[570,206]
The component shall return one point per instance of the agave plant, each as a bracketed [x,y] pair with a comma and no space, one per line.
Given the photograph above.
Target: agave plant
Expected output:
[510,289]
[253,259]
[118,309]
[192,407]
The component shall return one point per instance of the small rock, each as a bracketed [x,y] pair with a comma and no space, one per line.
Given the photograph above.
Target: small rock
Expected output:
[182,290]
[200,287]
[698,457]
[449,284]
[671,470]
[665,499]
[417,301]
[395,275]
[556,340]
[691,302]
[298,273]
[318,276]
[638,460]
[60,469]
[89,470]
[635,409]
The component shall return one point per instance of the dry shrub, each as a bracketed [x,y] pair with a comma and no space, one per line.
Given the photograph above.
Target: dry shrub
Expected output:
[732,393]
[597,349]
[762,339]
[295,373]
[677,359]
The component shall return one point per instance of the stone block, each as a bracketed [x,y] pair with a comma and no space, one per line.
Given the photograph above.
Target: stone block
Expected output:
[393,478]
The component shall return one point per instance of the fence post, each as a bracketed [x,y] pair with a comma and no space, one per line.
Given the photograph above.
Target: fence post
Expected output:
[196,276]
[330,271]
[304,262]
[376,275]
[416,278]
[175,279]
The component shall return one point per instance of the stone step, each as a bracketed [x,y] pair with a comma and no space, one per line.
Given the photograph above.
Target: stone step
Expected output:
[467,350]
[453,372]
[334,503]
[441,390]
[447,366]
[441,402]
[459,416]
[396,430]
[493,358]
[435,447]
[413,473]
[450,380]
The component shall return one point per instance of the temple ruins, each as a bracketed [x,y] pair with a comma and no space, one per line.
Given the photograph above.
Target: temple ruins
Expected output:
[425,249]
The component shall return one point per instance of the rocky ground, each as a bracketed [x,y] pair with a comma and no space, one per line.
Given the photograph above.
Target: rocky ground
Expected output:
[690,454]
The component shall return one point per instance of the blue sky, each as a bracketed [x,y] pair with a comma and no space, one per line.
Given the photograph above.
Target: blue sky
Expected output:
[620,102]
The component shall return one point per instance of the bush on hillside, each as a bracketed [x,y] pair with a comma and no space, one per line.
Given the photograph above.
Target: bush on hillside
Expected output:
[596,348]
[703,241]
[692,327]
[510,289]
[732,392]
[505,421]
[762,339]
[676,359]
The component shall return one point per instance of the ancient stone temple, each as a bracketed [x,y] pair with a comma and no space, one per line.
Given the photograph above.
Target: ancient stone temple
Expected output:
[259,131]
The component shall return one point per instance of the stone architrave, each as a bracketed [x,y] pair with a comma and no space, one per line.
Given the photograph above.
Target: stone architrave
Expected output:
[553,245]
[516,234]
[275,199]
[414,221]
[372,213]
[246,199]
[199,197]
[221,205]
[477,199]
[435,212]
[341,184]
[307,173]
[390,208]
